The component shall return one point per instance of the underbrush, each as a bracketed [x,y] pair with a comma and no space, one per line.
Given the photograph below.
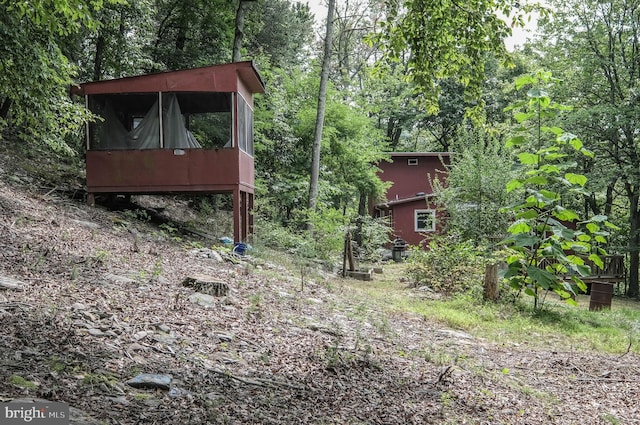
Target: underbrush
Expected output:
[449,266]
[511,320]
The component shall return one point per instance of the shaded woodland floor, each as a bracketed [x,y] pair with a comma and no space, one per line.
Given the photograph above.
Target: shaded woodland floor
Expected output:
[101,301]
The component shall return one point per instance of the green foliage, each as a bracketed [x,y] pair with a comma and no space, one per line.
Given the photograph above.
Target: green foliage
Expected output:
[374,233]
[35,74]
[329,227]
[475,190]
[20,382]
[281,30]
[193,33]
[284,132]
[544,247]
[448,266]
[445,39]
[273,235]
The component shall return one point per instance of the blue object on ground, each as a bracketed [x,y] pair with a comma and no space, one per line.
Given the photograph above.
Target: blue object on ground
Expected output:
[239,248]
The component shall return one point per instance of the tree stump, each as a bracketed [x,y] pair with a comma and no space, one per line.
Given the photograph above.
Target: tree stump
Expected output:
[491,291]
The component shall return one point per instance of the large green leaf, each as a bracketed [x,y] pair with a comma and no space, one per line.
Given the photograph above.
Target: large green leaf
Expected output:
[537,93]
[523,116]
[524,239]
[515,141]
[513,185]
[541,277]
[564,214]
[576,178]
[527,214]
[550,169]
[528,158]
[592,227]
[539,180]
[520,226]
[596,260]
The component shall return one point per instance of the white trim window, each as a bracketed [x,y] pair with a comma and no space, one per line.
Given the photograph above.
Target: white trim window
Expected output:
[412,161]
[424,220]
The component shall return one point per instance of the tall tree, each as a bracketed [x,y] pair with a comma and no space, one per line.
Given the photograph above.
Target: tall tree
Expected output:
[282,31]
[193,33]
[322,99]
[596,47]
[239,31]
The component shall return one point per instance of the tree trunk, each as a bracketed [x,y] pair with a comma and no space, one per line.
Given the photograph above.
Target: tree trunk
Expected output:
[634,241]
[322,100]
[98,58]
[239,33]
[491,287]
[5,105]
[608,205]
[362,211]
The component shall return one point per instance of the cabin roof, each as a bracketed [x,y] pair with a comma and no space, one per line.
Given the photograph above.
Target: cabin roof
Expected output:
[419,154]
[213,78]
[417,197]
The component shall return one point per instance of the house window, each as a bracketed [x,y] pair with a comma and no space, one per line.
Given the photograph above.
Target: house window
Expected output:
[425,220]
[412,161]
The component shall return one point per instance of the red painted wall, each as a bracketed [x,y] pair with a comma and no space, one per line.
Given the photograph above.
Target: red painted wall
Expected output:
[161,170]
[408,181]
[404,222]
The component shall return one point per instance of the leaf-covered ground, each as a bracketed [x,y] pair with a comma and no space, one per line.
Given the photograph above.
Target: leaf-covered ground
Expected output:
[102,301]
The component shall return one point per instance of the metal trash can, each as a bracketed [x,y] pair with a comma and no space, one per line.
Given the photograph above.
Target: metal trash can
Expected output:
[399,245]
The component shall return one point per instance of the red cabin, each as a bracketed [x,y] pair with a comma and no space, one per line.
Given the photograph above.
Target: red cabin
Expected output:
[409,201]
[180,131]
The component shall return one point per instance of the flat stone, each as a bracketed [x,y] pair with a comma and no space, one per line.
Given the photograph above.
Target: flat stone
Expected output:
[11,283]
[140,335]
[95,332]
[165,338]
[150,380]
[122,400]
[164,328]
[79,306]
[87,224]
[205,300]
[118,279]
[361,275]
[225,337]
[136,347]
[176,392]
[454,334]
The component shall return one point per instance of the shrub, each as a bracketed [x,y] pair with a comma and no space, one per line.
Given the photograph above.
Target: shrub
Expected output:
[448,266]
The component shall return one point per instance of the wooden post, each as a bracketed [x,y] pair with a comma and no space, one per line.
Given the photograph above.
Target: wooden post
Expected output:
[347,242]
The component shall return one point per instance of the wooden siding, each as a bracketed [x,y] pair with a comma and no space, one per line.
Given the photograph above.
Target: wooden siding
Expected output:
[409,180]
[412,185]
[167,170]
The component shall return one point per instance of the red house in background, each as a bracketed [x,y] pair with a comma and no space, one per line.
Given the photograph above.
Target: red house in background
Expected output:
[409,201]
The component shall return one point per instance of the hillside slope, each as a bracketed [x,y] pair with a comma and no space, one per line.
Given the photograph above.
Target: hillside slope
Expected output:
[100,300]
